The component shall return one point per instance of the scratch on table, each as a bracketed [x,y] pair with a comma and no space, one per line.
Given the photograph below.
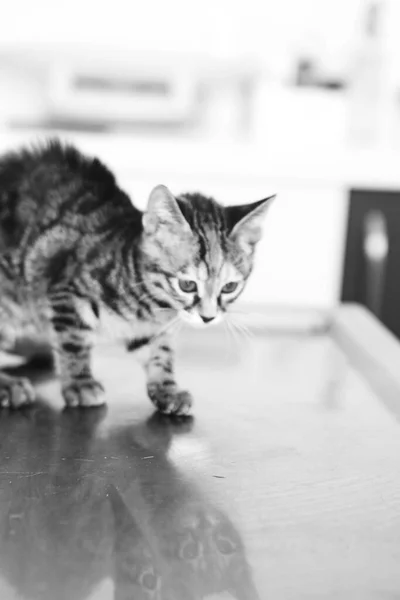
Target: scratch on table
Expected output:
[23,473]
[79,459]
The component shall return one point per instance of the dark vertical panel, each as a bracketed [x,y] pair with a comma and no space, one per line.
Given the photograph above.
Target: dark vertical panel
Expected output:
[354,285]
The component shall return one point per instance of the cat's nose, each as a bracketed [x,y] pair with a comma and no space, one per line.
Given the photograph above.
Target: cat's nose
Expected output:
[207,319]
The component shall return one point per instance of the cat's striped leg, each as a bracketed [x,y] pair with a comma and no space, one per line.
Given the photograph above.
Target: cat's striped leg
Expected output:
[73,355]
[161,385]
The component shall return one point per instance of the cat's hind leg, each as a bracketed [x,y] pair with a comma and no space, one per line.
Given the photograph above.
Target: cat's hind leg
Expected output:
[15,392]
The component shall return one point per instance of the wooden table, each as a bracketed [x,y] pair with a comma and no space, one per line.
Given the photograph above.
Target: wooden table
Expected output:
[285,485]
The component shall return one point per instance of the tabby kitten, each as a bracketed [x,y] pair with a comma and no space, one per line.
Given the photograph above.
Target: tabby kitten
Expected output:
[75,253]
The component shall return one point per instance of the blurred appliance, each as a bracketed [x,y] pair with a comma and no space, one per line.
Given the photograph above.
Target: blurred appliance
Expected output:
[145,92]
[75,87]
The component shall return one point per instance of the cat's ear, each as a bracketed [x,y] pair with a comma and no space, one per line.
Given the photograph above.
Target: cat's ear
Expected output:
[245,222]
[163,211]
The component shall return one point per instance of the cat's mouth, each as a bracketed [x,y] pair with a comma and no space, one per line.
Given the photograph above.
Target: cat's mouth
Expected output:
[196,320]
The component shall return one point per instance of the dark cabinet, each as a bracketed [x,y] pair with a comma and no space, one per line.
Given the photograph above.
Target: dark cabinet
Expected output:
[372,254]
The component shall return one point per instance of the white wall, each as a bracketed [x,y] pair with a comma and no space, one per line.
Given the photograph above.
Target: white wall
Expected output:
[271,30]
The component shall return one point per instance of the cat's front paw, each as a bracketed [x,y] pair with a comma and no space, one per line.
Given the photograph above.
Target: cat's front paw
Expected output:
[169,400]
[83,393]
[16,392]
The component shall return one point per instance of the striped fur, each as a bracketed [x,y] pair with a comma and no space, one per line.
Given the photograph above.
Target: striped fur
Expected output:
[77,257]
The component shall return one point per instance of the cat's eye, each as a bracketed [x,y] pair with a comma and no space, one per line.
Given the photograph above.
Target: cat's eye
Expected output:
[230,287]
[188,286]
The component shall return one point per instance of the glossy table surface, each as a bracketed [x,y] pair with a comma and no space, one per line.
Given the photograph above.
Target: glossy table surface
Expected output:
[284,485]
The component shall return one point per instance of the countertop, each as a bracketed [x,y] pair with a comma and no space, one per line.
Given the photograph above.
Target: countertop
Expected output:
[283,485]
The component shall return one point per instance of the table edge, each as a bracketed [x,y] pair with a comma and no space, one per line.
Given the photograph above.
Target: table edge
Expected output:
[372,349]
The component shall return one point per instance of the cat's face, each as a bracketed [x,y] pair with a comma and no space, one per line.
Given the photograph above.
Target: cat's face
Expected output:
[200,254]
[206,293]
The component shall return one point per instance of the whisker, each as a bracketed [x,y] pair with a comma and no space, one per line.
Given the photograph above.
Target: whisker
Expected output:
[166,327]
[228,333]
[251,339]
[245,330]
[236,322]
[239,331]
[233,333]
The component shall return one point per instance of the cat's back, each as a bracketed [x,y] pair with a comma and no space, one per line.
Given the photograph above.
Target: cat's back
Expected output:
[42,184]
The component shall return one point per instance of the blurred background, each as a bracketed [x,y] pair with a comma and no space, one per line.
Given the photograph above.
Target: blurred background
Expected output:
[237,99]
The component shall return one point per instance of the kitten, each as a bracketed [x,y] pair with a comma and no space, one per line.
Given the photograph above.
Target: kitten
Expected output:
[75,252]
